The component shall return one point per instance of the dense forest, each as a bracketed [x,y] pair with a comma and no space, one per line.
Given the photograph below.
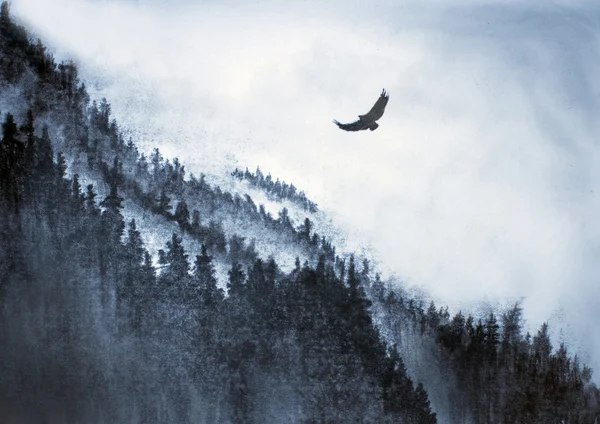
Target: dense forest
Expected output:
[277,189]
[96,326]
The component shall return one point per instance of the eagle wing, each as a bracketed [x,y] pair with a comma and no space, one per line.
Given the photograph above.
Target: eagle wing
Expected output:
[353,126]
[378,108]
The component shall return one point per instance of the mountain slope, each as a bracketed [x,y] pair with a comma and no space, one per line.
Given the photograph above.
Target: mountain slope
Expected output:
[122,342]
[119,256]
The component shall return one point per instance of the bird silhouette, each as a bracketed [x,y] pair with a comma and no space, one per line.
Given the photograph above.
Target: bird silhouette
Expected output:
[368,120]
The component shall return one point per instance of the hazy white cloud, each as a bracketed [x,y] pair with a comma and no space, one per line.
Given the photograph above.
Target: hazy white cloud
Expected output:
[480,183]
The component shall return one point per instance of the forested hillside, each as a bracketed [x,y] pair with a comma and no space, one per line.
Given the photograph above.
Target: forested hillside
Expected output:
[277,189]
[99,325]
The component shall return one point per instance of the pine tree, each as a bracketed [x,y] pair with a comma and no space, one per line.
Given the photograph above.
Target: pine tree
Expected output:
[30,154]
[305,230]
[284,219]
[78,197]
[12,167]
[113,223]
[134,246]
[204,275]
[236,248]
[511,335]
[156,160]
[256,280]
[45,159]
[174,277]
[235,285]
[163,206]
[542,348]
[491,337]
[182,215]
[90,199]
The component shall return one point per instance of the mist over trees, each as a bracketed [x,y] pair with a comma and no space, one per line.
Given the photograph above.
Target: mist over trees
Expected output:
[277,189]
[97,327]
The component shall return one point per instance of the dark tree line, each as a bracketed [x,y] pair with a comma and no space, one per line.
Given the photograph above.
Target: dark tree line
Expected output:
[159,198]
[502,375]
[305,338]
[280,190]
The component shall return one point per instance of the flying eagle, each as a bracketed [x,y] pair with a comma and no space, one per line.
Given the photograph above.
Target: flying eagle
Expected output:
[368,121]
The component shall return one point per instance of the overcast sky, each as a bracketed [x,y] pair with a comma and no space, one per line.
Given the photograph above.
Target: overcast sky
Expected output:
[482,181]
